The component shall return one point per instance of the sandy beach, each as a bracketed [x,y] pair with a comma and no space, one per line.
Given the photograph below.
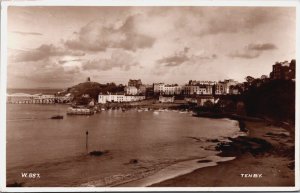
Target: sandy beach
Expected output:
[275,165]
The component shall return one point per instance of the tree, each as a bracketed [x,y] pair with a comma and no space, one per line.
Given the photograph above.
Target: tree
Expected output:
[249,79]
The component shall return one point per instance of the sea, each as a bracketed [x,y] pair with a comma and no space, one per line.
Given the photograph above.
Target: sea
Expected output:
[139,147]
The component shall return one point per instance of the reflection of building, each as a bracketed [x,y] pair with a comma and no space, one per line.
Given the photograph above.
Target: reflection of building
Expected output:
[283,70]
[166,99]
[131,90]
[118,98]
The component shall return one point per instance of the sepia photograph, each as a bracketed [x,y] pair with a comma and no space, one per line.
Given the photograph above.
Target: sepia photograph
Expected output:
[149,96]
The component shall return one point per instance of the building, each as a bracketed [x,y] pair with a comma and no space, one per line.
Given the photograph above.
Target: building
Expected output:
[131,90]
[158,88]
[142,89]
[166,99]
[191,100]
[226,87]
[167,89]
[197,90]
[202,100]
[201,82]
[135,83]
[283,70]
[220,88]
[228,84]
[118,98]
[199,87]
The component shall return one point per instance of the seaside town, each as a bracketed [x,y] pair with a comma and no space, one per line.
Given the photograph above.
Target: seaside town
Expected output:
[194,92]
[160,96]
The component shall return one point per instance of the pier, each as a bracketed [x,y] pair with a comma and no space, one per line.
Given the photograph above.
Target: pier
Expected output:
[36,99]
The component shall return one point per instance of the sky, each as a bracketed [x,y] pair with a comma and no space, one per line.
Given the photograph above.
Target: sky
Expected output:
[59,47]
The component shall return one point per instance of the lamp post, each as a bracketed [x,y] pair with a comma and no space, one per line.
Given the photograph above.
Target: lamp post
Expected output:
[86,141]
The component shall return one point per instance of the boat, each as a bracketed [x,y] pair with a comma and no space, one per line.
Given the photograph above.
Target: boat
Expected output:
[79,111]
[155,112]
[57,117]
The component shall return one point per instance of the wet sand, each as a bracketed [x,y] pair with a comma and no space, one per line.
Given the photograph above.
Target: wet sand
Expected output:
[276,165]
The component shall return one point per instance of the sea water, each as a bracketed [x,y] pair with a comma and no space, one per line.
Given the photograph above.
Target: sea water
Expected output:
[56,149]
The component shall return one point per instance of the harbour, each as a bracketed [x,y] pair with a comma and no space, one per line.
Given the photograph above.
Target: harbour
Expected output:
[159,141]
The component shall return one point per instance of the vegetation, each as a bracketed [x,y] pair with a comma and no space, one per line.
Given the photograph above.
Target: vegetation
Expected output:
[91,90]
[273,99]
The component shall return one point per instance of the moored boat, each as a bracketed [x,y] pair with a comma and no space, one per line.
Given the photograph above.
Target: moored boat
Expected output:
[57,117]
[79,111]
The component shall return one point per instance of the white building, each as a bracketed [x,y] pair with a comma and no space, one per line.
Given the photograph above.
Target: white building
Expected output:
[166,99]
[201,100]
[167,89]
[131,90]
[118,98]
[201,82]
[229,83]
[225,87]
[220,88]
[158,87]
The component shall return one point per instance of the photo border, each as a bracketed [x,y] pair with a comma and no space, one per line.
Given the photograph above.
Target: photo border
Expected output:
[3,87]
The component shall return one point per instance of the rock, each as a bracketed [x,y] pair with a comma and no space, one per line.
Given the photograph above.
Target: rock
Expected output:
[204,161]
[97,153]
[244,144]
[133,161]
[213,140]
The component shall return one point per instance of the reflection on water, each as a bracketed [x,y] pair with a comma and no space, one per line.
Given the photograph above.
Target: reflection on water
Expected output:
[56,148]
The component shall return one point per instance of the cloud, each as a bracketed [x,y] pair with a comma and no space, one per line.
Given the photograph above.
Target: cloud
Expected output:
[252,51]
[100,35]
[184,57]
[220,20]
[118,59]
[43,71]
[245,55]
[72,60]
[43,52]
[262,47]
[27,33]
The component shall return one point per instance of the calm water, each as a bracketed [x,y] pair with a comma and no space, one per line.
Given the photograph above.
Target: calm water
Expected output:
[56,148]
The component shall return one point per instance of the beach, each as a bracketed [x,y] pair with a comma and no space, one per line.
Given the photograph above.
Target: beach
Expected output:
[276,165]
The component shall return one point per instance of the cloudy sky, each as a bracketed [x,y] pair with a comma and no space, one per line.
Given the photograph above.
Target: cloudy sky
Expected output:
[61,46]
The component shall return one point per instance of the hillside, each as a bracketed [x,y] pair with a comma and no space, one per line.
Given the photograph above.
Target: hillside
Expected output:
[92,89]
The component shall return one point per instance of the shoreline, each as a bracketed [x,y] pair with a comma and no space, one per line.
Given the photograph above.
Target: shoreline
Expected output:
[229,174]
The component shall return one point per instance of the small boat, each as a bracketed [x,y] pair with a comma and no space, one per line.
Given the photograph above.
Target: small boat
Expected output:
[57,117]
[79,111]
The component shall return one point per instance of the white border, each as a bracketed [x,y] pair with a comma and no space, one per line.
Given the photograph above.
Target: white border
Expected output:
[261,3]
